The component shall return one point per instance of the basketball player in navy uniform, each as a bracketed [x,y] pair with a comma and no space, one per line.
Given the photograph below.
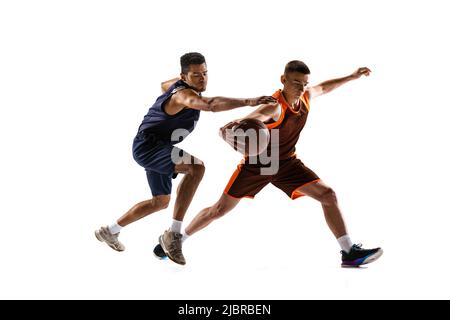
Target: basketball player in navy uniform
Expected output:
[171,118]
[288,118]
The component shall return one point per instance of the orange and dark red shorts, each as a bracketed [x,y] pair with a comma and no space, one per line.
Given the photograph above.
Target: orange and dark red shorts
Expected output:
[247,180]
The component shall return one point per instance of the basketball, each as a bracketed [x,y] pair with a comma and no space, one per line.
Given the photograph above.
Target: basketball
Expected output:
[249,136]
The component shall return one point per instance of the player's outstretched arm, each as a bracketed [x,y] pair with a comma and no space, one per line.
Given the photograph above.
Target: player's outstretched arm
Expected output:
[264,113]
[330,85]
[190,99]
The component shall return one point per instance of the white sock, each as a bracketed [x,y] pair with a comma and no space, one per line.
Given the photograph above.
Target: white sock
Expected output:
[176,226]
[185,236]
[115,228]
[345,243]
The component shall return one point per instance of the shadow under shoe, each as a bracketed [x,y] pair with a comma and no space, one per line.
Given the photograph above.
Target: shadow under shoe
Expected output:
[104,235]
[359,256]
[171,244]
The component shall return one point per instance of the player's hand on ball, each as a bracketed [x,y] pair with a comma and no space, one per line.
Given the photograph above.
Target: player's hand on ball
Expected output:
[248,136]
[229,126]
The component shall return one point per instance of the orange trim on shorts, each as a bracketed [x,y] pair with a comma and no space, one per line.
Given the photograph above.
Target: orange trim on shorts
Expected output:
[250,197]
[297,194]
[233,178]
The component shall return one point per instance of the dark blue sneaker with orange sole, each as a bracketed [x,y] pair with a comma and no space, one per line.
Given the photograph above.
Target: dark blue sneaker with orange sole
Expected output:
[359,256]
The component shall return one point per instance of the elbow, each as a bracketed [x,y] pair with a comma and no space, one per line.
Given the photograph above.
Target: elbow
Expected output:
[212,106]
[208,107]
[323,90]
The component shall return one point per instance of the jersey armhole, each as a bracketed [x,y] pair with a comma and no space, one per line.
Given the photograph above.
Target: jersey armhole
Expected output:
[175,90]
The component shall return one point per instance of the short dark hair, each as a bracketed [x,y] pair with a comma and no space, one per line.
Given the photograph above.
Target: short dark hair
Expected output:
[190,58]
[296,66]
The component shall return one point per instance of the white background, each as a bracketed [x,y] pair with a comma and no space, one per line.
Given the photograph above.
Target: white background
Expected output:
[77,77]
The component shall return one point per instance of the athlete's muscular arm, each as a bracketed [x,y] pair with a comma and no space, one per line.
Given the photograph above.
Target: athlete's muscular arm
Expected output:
[330,85]
[188,98]
[265,112]
[166,84]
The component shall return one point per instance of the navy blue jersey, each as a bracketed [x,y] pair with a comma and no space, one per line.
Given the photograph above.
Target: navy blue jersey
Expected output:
[158,122]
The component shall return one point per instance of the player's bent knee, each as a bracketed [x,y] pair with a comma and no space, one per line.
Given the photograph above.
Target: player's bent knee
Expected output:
[198,170]
[162,201]
[328,196]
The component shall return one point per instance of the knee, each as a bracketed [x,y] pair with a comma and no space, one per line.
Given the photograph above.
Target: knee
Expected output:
[162,202]
[328,197]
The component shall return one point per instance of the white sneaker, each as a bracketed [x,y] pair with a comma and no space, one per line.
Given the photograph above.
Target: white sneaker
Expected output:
[112,240]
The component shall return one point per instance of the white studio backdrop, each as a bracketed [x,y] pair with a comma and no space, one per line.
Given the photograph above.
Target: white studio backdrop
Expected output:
[77,77]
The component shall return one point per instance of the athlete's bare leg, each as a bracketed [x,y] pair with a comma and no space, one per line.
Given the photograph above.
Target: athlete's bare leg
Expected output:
[193,173]
[143,209]
[170,241]
[326,196]
[208,215]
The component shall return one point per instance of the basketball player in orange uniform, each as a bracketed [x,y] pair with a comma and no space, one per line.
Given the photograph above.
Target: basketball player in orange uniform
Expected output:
[287,120]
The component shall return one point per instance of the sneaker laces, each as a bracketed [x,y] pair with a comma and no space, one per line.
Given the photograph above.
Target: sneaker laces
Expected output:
[354,247]
[175,244]
[114,238]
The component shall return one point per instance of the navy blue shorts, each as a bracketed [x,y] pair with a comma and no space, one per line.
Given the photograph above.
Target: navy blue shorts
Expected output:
[155,155]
